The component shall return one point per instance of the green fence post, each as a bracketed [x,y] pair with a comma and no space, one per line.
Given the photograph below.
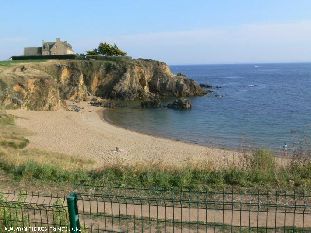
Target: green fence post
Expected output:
[72,201]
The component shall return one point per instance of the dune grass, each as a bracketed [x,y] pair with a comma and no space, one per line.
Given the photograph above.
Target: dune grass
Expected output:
[11,136]
[260,169]
[33,165]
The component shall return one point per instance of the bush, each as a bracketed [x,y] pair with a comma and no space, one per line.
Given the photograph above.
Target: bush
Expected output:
[263,160]
[107,50]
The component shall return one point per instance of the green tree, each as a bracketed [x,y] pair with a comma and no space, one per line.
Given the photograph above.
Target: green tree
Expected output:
[92,52]
[106,49]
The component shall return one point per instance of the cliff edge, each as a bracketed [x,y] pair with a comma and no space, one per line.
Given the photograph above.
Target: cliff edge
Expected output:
[45,85]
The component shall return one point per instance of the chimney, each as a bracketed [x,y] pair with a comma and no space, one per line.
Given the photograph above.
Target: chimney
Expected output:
[57,39]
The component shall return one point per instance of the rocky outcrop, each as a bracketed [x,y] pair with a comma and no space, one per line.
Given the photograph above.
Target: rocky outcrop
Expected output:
[180,104]
[151,103]
[46,85]
[23,86]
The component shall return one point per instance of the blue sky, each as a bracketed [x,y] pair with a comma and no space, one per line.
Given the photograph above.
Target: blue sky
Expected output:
[174,31]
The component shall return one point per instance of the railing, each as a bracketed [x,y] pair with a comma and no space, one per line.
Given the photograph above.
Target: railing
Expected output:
[32,212]
[131,210]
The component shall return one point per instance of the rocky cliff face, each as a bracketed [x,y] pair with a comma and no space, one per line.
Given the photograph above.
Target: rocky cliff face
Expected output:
[45,85]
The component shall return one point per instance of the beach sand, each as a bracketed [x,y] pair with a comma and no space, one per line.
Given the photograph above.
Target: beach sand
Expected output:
[86,134]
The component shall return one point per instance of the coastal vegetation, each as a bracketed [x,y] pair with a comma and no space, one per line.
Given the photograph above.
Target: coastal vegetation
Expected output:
[9,63]
[259,170]
[106,49]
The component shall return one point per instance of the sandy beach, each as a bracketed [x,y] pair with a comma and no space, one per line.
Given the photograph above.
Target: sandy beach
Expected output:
[86,134]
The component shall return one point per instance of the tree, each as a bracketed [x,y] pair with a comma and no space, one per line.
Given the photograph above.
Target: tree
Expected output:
[106,49]
[92,52]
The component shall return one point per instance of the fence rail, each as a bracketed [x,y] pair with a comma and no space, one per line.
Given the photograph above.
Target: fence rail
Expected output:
[132,210]
[22,212]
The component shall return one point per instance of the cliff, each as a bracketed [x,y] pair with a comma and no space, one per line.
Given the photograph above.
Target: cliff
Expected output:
[45,85]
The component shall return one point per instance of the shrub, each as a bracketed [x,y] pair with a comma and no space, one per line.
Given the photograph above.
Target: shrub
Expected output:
[262,160]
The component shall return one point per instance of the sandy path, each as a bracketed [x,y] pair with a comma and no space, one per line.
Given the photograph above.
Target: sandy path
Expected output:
[85,134]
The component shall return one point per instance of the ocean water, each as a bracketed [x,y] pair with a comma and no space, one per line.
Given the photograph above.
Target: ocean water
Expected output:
[258,105]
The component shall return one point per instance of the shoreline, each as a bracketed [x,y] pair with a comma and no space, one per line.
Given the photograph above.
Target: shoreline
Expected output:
[278,153]
[103,113]
[87,134]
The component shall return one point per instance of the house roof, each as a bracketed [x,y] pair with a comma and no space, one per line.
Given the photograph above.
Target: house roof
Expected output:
[68,45]
[51,44]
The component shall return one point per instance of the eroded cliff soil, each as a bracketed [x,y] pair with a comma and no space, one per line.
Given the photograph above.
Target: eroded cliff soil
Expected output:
[45,85]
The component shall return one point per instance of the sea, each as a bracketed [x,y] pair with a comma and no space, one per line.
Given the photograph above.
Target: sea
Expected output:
[251,106]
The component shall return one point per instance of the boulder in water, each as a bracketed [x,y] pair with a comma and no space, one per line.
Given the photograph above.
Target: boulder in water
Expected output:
[155,102]
[206,86]
[180,104]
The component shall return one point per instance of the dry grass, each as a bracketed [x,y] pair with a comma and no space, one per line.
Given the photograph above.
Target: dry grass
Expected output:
[14,157]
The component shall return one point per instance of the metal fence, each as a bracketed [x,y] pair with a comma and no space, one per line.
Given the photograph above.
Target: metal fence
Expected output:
[131,210]
[32,212]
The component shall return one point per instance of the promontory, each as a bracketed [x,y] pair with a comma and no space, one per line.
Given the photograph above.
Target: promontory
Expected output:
[45,85]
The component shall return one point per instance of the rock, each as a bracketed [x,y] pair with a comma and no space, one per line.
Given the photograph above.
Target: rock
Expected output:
[47,85]
[96,103]
[206,86]
[102,103]
[151,103]
[181,74]
[109,105]
[180,104]
[74,108]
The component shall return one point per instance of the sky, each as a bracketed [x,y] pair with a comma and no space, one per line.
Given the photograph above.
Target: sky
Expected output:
[173,31]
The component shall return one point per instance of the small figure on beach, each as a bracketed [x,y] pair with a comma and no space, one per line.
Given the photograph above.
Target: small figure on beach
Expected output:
[285,149]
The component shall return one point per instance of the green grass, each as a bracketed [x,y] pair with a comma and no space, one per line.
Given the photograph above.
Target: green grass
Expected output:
[6,120]
[16,213]
[11,63]
[9,137]
[294,176]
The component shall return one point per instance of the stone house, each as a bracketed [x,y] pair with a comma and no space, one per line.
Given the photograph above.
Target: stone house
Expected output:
[50,48]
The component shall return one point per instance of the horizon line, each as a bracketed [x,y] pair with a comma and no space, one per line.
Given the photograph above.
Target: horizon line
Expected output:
[243,63]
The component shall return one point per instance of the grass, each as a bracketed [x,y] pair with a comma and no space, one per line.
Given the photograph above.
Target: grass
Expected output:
[11,213]
[68,170]
[11,136]
[17,214]
[11,62]
[259,170]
